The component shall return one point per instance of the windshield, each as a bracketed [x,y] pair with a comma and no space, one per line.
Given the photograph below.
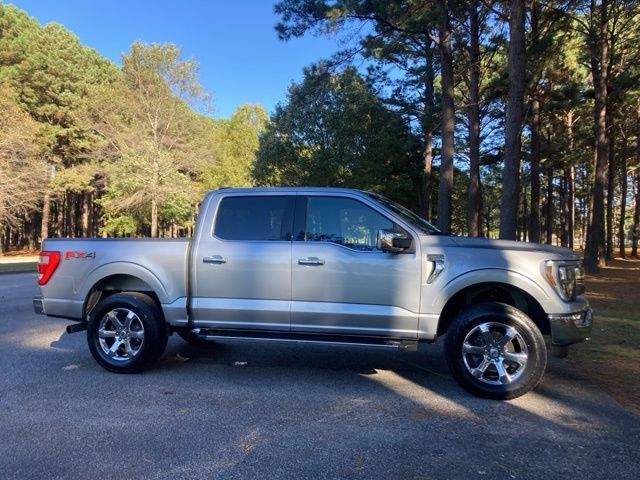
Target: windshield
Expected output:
[406,214]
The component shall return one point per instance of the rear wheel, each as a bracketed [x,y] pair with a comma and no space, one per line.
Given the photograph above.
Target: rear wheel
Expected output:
[126,333]
[495,351]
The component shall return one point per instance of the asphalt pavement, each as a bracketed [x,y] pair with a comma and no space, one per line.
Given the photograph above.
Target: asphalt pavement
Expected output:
[253,411]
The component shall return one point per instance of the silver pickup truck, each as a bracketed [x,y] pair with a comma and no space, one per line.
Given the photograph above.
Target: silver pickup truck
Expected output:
[321,265]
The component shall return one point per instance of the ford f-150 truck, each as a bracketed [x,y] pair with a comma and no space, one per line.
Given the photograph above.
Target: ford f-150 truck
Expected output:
[321,265]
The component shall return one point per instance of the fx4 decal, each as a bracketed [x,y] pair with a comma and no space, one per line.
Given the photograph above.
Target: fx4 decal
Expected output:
[81,255]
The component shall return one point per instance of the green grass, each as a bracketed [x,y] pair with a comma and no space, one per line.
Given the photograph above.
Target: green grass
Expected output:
[613,335]
[608,315]
[18,267]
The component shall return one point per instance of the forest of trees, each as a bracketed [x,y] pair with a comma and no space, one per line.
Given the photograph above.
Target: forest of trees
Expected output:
[89,149]
[512,119]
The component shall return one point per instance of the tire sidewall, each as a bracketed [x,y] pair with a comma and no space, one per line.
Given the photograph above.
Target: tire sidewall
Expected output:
[154,340]
[509,316]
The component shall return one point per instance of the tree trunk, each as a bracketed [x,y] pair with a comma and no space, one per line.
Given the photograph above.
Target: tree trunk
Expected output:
[587,199]
[46,212]
[571,204]
[448,119]
[611,183]
[155,182]
[71,215]
[564,209]
[26,229]
[154,215]
[474,198]
[96,212]
[29,228]
[77,219]
[513,122]
[86,213]
[425,188]
[534,125]
[570,175]
[428,125]
[636,211]
[60,208]
[623,205]
[64,215]
[534,216]
[549,210]
[4,238]
[523,227]
[594,251]
[635,234]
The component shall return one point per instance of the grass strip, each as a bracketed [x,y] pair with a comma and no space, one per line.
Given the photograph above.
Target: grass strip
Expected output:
[18,267]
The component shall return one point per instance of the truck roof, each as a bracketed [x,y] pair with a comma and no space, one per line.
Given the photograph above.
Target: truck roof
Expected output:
[286,190]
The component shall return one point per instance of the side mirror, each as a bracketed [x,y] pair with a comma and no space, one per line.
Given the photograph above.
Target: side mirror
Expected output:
[394,242]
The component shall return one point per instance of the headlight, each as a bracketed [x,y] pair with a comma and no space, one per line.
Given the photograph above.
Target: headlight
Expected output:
[566,277]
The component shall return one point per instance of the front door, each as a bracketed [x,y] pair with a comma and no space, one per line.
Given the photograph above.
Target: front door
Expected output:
[243,265]
[341,282]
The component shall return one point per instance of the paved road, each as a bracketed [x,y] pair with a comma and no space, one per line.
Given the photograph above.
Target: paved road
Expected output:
[302,412]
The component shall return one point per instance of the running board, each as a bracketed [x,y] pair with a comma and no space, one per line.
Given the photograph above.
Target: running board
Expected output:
[401,345]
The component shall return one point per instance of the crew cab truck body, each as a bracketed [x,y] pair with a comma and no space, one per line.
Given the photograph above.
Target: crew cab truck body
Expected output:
[321,265]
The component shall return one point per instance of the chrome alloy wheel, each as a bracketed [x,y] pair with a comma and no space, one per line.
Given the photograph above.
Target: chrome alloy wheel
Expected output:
[121,334]
[495,353]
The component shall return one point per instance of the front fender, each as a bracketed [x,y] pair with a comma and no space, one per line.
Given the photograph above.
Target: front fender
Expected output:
[491,275]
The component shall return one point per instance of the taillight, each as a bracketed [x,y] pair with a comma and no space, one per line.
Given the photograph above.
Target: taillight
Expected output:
[47,264]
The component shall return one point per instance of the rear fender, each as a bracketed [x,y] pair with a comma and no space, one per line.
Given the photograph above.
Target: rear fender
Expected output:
[124,268]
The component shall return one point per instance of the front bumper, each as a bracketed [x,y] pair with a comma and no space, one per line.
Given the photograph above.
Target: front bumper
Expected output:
[38,305]
[568,328]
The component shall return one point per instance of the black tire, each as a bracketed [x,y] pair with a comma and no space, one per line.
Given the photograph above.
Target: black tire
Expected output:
[134,354]
[522,360]
[191,337]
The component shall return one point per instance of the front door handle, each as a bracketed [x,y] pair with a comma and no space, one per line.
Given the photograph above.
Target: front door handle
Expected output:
[310,261]
[216,259]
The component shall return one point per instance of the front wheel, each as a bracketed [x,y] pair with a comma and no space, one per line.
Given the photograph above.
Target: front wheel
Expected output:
[495,351]
[126,332]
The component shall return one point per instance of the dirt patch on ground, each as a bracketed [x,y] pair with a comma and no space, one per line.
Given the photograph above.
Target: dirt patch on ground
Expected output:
[612,357]
[20,253]
[617,287]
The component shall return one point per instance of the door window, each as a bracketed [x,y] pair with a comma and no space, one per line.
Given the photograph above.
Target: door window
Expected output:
[254,218]
[344,221]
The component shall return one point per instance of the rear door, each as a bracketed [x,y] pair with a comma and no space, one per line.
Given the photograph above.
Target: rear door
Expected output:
[243,264]
[341,282]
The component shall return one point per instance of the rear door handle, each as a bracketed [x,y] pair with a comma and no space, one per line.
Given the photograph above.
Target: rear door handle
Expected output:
[310,261]
[216,259]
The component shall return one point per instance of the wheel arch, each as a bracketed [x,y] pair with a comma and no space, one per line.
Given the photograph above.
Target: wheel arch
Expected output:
[493,291]
[113,279]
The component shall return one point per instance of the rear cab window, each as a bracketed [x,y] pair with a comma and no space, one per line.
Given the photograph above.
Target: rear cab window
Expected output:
[255,218]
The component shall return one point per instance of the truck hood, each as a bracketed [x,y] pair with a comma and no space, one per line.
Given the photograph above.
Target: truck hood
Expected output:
[473,242]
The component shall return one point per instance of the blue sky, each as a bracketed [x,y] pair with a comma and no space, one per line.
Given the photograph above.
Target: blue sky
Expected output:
[240,56]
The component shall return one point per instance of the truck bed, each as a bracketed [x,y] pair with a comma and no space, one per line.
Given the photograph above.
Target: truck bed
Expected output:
[159,263]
